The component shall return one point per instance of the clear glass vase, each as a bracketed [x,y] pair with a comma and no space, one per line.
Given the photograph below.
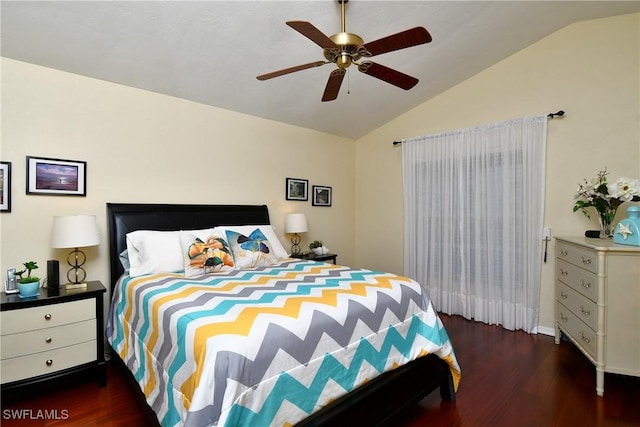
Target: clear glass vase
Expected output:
[606,222]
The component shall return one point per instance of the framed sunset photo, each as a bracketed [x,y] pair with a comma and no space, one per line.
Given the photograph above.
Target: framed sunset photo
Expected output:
[56,177]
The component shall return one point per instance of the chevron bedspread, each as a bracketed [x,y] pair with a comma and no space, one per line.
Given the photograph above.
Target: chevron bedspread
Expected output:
[267,346]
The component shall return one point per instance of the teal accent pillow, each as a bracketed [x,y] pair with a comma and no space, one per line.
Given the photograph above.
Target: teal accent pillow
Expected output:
[251,251]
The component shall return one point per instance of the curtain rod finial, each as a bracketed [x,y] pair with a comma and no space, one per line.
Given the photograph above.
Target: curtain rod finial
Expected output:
[559,114]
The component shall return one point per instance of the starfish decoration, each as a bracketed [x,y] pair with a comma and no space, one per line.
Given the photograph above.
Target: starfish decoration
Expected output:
[624,230]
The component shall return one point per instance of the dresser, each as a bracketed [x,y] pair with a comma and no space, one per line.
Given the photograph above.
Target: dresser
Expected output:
[59,332]
[597,302]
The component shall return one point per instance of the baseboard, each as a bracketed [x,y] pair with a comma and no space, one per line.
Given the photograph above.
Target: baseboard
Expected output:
[544,330]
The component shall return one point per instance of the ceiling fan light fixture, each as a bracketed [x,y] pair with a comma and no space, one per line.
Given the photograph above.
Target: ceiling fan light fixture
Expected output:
[344,60]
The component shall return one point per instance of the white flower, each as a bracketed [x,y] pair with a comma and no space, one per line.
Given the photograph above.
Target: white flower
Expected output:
[624,189]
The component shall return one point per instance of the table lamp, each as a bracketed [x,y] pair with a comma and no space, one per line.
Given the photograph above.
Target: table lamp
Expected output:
[295,223]
[75,231]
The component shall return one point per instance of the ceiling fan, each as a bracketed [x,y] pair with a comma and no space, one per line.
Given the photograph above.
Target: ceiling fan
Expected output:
[344,49]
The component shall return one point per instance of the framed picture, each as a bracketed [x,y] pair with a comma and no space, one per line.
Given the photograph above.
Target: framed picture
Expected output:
[56,177]
[321,196]
[5,186]
[297,189]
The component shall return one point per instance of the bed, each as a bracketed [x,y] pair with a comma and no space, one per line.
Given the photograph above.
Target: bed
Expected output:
[235,346]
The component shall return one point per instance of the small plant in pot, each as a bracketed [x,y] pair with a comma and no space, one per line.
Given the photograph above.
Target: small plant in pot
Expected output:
[318,248]
[28,286]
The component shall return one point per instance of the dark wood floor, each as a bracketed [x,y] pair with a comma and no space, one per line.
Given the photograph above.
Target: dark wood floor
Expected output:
[508,379]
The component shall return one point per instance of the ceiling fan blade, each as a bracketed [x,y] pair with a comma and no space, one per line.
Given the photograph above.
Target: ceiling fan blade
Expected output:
[308,30]
[404,39]
[333,85]
[388,75]
[290,70]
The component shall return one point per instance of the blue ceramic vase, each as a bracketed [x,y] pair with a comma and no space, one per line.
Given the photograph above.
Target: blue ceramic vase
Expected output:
[627,232]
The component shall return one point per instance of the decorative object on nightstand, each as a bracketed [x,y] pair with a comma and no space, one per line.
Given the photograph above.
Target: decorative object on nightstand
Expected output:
[627,232]
[75,231]
[295,223]
[28,286]
[318,248]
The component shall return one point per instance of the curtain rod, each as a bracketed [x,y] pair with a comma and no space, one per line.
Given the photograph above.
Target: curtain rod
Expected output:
[550,116]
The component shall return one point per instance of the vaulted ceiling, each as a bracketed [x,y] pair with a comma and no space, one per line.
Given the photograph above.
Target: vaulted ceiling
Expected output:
[211,51]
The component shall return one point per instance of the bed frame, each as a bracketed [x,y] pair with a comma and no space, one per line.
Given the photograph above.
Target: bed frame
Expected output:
[374,404]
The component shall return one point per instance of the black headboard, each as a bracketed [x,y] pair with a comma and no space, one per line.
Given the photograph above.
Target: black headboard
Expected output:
[123,218]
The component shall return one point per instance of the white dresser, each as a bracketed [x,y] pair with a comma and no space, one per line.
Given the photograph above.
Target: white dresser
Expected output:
[598,303]
[52,335]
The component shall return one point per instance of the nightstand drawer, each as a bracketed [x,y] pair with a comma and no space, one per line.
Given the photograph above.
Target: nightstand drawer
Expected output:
[40,340]
[581,257]
[580,333]
[583,307]
[579,279]
[47,316]
[18,368]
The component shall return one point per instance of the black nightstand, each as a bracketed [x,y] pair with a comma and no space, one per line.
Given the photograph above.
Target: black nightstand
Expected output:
[312,256]
[58,333]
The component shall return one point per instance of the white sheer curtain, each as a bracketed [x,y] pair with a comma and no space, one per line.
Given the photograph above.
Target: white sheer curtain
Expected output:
[473,213]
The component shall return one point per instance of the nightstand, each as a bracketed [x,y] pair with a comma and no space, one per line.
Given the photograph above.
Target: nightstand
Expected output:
[313,257]
[57,333]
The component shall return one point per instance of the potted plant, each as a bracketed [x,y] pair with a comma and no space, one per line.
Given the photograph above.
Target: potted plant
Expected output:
[318,248]
[28,286]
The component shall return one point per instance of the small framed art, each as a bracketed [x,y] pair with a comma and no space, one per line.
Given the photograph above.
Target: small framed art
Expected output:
[297,189]
[321,196]
[5,186]
[56,177]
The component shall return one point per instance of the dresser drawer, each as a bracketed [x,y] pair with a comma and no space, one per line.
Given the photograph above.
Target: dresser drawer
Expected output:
[581,280]
[40,340]
[581,334]
[583,307]
[582,257]
[47,316]
[18,368]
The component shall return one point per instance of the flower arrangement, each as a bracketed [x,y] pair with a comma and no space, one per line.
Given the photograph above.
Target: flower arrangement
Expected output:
[606,198]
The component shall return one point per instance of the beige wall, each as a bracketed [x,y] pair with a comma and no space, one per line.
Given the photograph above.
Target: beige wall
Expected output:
[590,70]
[145,147]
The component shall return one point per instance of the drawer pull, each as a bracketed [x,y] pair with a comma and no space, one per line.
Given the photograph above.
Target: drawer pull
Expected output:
[563,295]
[563,272]
[47,316]
[48,340]
[585,312]
[585,338]
[585,260]
[49,362]
[585,284]
[563,252]
[564,319]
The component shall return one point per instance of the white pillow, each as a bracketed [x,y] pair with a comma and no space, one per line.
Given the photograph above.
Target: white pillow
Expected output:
[278,250]
[205,251]
[152,252]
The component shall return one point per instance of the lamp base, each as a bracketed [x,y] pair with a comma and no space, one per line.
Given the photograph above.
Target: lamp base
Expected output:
[295,244]
[75,286]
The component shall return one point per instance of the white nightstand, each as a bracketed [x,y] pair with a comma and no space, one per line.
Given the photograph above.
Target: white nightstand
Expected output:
[57,333]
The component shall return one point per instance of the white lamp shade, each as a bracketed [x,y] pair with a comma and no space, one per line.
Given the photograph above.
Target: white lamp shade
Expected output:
[295,223]
[74,231]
